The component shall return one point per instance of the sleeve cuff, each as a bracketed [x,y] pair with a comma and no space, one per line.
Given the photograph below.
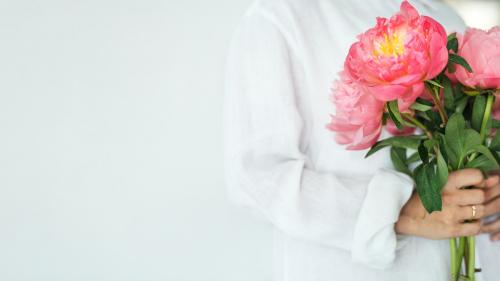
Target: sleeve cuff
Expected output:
[375,241]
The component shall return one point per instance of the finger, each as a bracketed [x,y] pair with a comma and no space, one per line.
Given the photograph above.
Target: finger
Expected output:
[491,227]
[495,236]
[472,212]
[492,207]
[465,197]
[492,192]
[467,229]
[490,182]
[464,178]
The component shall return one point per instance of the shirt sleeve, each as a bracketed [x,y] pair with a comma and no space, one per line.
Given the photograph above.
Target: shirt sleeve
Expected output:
[267,171]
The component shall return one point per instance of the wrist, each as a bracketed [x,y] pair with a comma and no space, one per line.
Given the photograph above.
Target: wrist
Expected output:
[410,216]
[406,225]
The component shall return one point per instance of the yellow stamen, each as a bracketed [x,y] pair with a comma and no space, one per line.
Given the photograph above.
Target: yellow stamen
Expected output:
[392,45]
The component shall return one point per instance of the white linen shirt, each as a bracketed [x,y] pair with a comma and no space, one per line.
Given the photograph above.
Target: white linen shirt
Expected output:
[333,210]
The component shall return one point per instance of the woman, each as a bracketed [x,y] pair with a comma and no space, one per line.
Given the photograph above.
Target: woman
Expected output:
[337,215]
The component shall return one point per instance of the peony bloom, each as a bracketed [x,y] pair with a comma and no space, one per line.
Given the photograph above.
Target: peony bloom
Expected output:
[394,58]
[358,118]
[481,49]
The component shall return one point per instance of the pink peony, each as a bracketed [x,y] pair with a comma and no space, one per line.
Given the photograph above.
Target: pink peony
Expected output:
[394,58]
[358,118]
[481,49]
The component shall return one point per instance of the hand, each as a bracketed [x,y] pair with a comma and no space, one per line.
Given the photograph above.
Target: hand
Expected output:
[457,208]
[492,207]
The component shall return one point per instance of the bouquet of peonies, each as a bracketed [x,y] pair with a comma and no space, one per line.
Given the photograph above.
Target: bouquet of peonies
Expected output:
[407,73]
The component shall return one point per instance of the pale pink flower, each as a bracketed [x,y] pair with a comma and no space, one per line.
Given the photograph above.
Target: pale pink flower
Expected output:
[394,58]
[358,118]
[481,49]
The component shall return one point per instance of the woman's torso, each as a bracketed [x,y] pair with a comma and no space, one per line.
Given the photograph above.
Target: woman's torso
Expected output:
[320,32]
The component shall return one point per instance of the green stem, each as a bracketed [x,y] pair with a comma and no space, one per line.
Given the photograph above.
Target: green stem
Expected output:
[435,97]
[461,252]
[472,258]
[470,255]
[453,261]
[466,255]
[487,115]
[417,123]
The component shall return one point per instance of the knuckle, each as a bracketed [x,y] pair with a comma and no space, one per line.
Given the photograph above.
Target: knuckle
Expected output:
[476,174]
[489,193]
[480,211]
[476,229]
[472,229]
[448,198]
[449,217]
[475,196]
[472,175]
[452,179]
[454,230]
[480,195]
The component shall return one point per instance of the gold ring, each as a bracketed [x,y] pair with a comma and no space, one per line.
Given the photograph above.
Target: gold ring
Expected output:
[473,211]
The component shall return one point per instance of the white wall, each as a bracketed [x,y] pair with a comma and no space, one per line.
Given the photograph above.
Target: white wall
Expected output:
[478,13]
[111,142]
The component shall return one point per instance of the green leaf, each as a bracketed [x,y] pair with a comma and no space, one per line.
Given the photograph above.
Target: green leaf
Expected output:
[435,83]
[385,116]
[420,106]
[471,93]
[461,104]
[451,36]
[449,98]
[452,44]
[481,162]
[457,91]
[399,160]
[455,140]
[442,169]
[430,119]
[423,153]
[459,140]
[495,123]
[456,59]
[495,142]
[430,144]
[486,152]
[478,112]
[442,143]
[472,139]
[410,142]
[424,101]
[428,187]
[495,154]
[392,107]
[451,67]
[423,115]
[414,157]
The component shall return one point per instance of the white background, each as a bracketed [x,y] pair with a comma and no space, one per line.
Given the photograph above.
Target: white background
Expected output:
[111,142]
[110,147]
